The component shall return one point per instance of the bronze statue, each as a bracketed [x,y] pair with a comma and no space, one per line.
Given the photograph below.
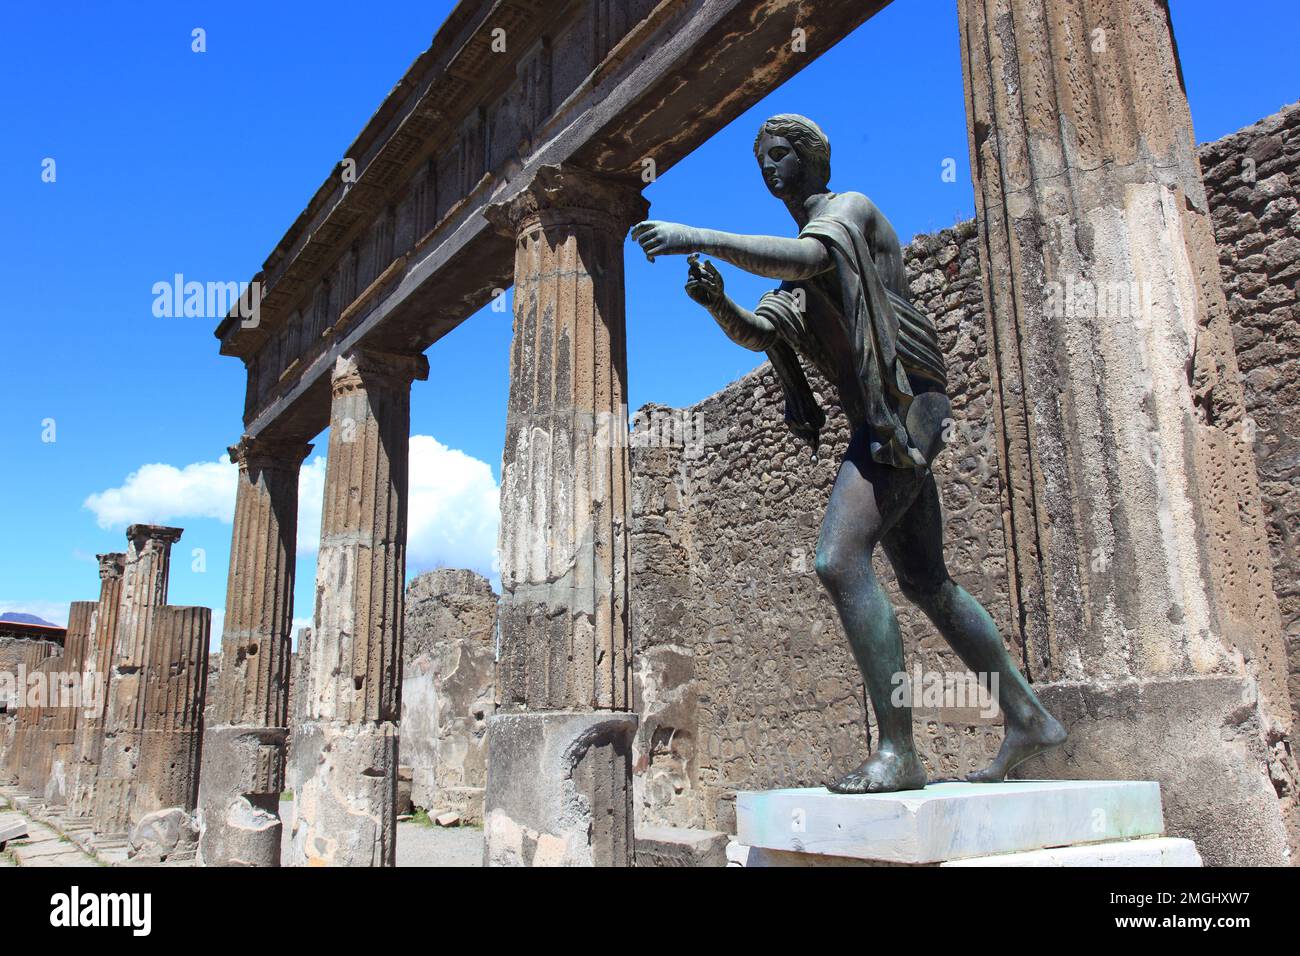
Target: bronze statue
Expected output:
[844,304]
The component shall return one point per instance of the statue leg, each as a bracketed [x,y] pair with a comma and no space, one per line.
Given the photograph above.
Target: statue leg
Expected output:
[866,500]
[914,546]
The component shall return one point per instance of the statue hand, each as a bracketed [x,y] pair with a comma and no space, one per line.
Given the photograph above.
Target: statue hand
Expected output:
[704,283]
[664,238]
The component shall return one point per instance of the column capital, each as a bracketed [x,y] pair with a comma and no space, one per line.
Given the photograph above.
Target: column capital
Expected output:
[111,565]
[266,452]
[137,534]
[363,368]
[562,193]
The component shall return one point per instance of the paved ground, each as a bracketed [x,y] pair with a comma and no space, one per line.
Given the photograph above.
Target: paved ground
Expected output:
[44,846]
[417,844]
[420,845]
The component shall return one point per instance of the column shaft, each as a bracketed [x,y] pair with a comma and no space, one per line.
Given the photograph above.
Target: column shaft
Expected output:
[566,651]
[175,682]
[1137,547]
[144,588]
[345,754]
[59,762]
[244,748]
[95,673]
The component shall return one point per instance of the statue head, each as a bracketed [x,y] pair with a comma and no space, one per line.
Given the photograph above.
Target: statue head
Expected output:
[794,156]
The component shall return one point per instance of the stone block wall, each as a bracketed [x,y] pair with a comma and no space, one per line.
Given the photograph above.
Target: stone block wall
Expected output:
[1253,183]
[448,689]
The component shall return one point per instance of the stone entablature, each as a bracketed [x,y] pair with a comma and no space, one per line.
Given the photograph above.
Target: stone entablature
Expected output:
[392,252]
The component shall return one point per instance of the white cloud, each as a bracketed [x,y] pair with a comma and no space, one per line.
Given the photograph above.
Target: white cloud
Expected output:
[159,493]
[455,509]
[311,492]
[453,514]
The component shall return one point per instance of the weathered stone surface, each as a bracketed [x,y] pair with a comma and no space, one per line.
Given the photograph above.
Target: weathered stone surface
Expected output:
[403,255]
[1137,542]
[662,847]
[162,835]
[98,667]
[60,714]
[345,811]
[143,588]
[1252,181]
[21,654]
[559,789]
[12,827]
[175,683]
[565,640]
[253,688]
[345,752]
[1199,737]
[564,475]
[239,814]
[448,689]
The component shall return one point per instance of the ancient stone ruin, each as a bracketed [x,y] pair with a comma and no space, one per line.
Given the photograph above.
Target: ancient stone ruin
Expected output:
[115,732]
[1121,474]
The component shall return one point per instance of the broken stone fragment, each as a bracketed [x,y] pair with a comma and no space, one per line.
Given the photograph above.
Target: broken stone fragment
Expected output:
[161,835]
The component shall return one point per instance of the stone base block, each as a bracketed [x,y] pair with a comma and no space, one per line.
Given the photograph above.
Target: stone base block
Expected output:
[12,827]
[1154,851]
[948,821]
[239,796]
[466,802]
[1201,739]
[1151,851]
[346,803]
[168,772]
[659,847]
[559,789]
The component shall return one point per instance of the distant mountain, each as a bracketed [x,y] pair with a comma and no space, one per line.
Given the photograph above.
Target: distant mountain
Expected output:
[19,617]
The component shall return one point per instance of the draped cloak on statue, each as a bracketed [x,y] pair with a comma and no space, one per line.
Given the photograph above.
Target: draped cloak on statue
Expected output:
[874,345]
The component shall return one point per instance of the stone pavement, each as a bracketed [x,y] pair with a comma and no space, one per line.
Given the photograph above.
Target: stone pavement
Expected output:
[42,846]
[54,839]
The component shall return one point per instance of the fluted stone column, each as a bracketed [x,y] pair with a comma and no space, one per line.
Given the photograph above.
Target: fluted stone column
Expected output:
[559,756]
[41,721]
[1137,551]
[345,752]
[95,672]
[176,678]
[144,588]
[60,762]
[244,744]
[18,752]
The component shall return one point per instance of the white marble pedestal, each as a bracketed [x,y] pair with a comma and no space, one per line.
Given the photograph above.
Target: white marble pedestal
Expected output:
[1016,823]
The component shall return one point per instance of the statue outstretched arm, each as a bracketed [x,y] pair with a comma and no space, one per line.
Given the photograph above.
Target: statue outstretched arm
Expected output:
[747,329]
[773,257]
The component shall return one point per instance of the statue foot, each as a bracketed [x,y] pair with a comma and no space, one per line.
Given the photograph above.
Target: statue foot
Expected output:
[884,772]
[1019,744]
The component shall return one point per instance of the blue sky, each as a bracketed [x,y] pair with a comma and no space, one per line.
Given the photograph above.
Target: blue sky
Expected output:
[170,161]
